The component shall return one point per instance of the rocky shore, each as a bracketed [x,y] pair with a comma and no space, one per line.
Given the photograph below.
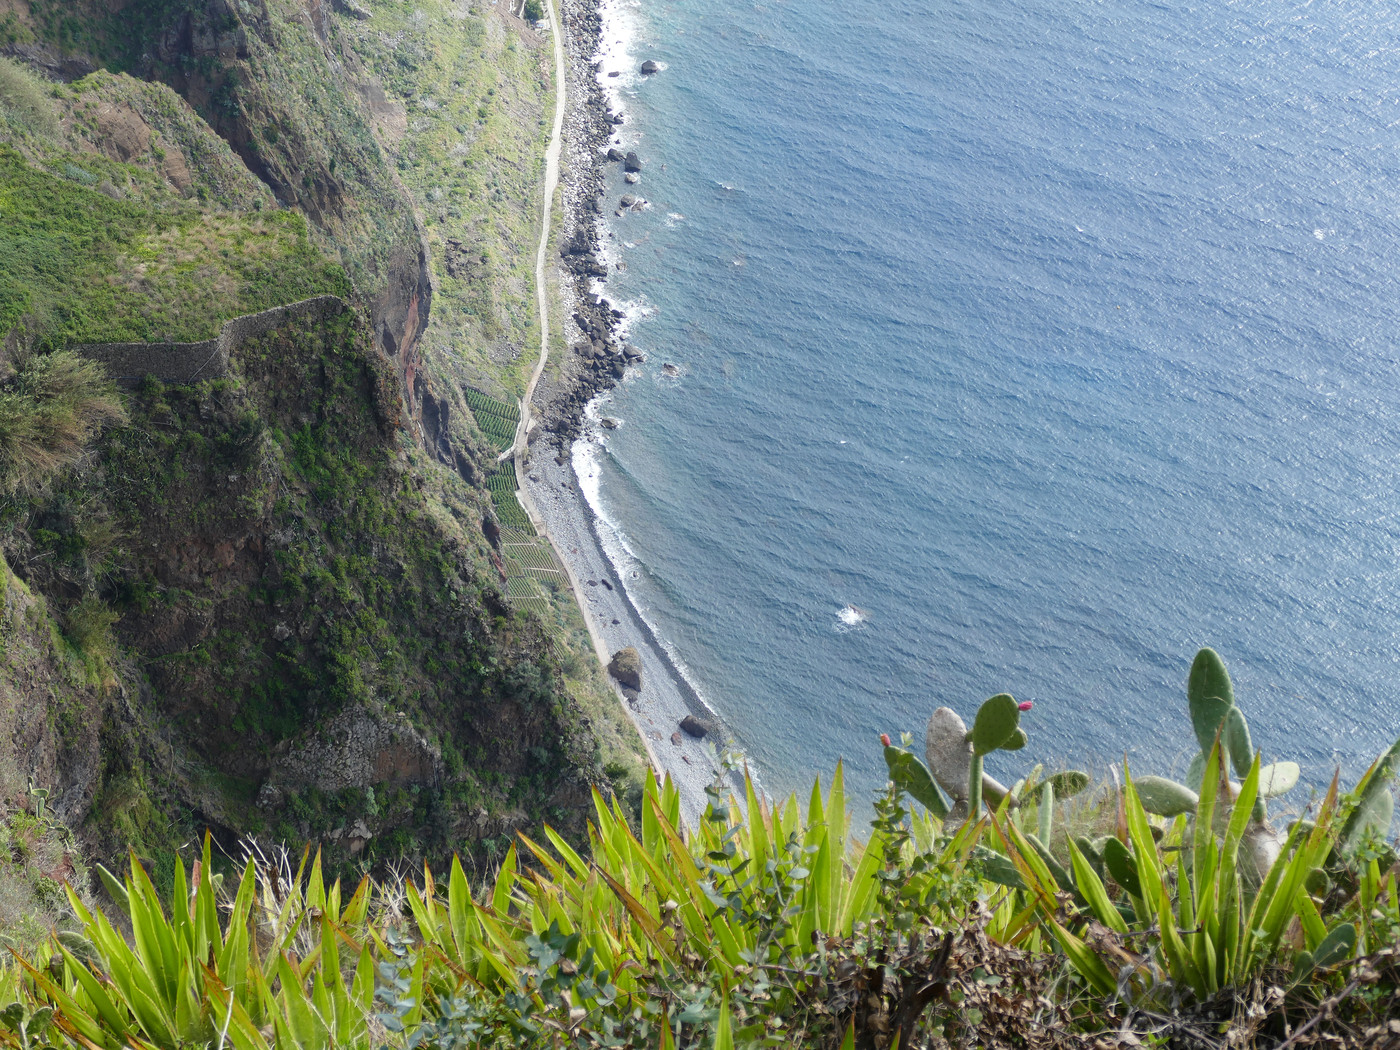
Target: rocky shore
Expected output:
[598,356]
[682,736]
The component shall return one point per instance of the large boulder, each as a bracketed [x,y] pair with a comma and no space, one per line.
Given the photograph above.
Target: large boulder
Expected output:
[626,667]
[649,67]
[632,162]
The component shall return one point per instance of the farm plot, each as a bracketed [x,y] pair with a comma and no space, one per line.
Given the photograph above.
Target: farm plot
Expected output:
[496,419]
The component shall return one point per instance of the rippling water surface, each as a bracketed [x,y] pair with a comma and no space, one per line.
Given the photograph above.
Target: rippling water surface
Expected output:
[1023,347]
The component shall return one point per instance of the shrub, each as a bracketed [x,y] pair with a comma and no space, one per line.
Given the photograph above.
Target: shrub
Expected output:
[24,100]
[49,411]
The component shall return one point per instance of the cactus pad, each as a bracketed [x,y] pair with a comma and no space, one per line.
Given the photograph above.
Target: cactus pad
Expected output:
[1122,866]
[1278,778]
[1163,797]
[913,777]
[1207,715]
[1371,819]
[997,721]
[1241,747]
[1369,808]
[1208,679]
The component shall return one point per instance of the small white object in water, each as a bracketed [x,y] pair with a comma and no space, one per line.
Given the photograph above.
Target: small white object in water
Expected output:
[851,617]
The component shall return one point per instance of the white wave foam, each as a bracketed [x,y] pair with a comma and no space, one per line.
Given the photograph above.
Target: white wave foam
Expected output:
[851,618]
[627,566]
[624,28]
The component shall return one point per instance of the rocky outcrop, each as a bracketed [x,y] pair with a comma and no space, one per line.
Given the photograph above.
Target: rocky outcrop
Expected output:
[129,363]
[650,66]
[626,667]
[360,748]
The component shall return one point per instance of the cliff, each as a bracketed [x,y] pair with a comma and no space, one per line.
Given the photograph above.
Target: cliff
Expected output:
[266,602]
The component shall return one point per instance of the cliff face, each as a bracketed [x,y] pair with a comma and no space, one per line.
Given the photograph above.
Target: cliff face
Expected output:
[259,594]
[265,602]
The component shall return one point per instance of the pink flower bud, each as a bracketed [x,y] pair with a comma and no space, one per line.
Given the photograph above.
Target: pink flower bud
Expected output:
[885,739]
[1025,705]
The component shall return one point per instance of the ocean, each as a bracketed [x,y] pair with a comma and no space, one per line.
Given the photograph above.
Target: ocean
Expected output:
[1019,348]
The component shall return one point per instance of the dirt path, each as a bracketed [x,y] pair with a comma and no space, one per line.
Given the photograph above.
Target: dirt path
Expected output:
[611,621]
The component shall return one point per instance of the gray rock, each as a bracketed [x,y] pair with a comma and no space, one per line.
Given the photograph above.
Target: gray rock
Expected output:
[626,667]
[616,154]
[632,178]
[632,162]
[649,67]
[948,752]
[949,758]
[694,727]
[354,10]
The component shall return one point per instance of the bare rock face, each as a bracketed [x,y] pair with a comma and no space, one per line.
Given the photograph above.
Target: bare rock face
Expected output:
[626,667]
[948,752]
[360,748]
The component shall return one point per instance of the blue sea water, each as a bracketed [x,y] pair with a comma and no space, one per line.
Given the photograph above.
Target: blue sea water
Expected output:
[1059,339]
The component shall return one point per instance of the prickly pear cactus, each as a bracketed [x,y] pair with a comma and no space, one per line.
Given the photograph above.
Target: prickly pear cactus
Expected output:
[914,778]
[1165,798]
[997,721]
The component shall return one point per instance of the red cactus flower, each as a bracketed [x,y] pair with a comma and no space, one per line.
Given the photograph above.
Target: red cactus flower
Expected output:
[1025,705]
[885,739]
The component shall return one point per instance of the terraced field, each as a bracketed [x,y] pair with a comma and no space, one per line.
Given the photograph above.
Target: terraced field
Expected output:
[496,419]
[532,571]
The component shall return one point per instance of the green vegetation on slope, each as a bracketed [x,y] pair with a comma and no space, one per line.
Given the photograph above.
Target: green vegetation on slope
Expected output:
[473,85]
[82,267]
[262,568]
[49,411]
[281,575]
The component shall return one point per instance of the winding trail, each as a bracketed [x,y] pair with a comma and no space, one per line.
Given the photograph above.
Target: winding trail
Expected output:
[551,184]
[689,763]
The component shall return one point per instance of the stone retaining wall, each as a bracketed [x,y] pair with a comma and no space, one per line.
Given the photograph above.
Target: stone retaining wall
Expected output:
[129,363]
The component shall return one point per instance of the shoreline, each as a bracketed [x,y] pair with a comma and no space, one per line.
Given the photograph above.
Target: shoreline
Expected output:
[596,359]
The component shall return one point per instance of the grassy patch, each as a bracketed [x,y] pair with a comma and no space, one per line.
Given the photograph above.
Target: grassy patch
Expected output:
[48,412]
[476,95]
[79,266]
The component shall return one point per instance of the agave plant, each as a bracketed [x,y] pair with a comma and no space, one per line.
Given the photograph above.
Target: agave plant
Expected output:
[184,977]
[1187,893]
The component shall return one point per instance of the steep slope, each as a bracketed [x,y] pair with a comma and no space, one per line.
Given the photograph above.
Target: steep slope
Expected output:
[257,604]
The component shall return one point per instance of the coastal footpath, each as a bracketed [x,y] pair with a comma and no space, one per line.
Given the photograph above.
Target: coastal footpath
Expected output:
[682,736]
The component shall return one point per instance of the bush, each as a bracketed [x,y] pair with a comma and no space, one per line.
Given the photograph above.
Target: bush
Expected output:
[49,411]
[24,100]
